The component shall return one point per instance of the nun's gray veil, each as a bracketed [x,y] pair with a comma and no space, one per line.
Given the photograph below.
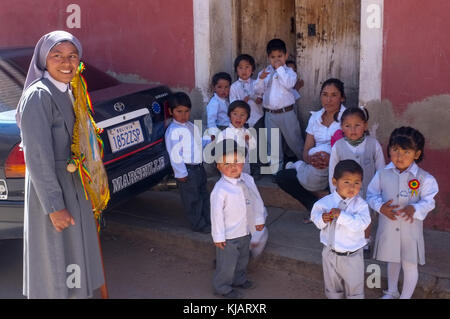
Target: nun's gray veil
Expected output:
[38,61]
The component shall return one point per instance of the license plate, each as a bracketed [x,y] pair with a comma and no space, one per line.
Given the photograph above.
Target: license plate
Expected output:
[124,136]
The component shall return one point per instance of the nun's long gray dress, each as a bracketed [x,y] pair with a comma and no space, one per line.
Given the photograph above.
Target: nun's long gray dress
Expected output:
[53,259]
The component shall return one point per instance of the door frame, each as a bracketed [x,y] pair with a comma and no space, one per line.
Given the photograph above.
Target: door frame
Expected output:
[207,60]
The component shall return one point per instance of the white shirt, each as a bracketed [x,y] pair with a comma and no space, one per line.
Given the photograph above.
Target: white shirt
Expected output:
[350,225]
[429,189]
[216,112]
[184,145]
[239,90]
[276,87]
[228,208]
[356,150]
[321,133]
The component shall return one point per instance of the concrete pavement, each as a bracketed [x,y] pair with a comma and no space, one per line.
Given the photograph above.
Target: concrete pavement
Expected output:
[292,245]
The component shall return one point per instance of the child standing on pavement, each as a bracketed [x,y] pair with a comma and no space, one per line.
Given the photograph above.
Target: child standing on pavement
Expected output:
[403,194]
[217,108]
[275,84]
[342,218]
[187,164]
[359,146]
[237,210]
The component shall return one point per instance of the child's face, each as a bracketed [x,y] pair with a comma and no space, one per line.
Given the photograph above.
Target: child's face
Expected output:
[62,62]
[238,117]
[232,165]
[277,58]
[331,98]
[403,158]
[348,185]
[222,88]
[244,70]
[181,113]
[353,127]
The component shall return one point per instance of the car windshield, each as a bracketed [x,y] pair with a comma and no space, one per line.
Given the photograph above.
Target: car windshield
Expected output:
[14,66]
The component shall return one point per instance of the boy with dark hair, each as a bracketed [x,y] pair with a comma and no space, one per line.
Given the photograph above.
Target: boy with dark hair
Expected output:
[342,218]
[237,211]
[185,152]
[275,84]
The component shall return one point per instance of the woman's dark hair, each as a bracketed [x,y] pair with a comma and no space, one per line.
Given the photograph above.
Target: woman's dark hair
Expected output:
[407,138]
[347,166]
[340,86]
[363,114]
[179,98]
[276,45]
[220,76]
[244,57]
[239,103]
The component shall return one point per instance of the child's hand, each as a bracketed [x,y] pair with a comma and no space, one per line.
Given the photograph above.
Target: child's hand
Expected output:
[327,217]
[388,210]
[408,213]
[335,212]
[300,83]
[182,179]
[247,98]
[263,74]
[246,137]
[221,245]
[258,100]
[259,227]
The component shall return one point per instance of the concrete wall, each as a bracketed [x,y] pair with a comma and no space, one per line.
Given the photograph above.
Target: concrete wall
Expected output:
[415,87]
[135,40]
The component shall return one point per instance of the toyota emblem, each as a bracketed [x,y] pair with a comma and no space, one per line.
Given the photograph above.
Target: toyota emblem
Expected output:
[119,106]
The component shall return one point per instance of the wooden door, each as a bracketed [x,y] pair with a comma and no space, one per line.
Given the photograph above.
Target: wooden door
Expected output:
[259,21]
[328,45]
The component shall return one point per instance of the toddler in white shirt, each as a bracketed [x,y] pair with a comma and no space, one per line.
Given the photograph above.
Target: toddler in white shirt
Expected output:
[237,211]
[217,108]
[342,218]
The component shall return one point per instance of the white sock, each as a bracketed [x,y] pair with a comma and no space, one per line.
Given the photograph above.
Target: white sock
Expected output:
[410,278]
[393,270]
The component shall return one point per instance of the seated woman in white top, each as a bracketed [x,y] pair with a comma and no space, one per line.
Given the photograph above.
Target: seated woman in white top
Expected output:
[301,178]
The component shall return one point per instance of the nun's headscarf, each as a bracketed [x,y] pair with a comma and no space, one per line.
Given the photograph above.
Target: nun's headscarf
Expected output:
[39,59]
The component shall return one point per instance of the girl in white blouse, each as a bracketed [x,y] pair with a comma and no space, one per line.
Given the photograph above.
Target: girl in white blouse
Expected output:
[403,194]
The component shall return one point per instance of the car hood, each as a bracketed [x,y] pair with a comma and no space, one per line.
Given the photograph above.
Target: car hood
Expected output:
[117,91]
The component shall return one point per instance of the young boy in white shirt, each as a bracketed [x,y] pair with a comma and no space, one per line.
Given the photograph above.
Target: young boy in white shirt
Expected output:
[237,211]
[342,218]
[184,145]
[275,84]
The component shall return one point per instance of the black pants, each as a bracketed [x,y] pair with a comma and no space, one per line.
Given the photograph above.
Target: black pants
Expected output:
[195,198]
[287,180]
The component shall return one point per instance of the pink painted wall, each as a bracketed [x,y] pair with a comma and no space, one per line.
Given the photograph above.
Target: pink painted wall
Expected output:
[153,39]
[416,66]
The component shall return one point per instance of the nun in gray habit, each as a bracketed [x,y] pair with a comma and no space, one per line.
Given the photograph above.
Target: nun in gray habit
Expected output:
[65,263]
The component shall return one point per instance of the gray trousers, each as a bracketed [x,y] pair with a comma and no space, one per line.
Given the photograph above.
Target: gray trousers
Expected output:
[231,264]
[343,275]
[289,127]
[195,198]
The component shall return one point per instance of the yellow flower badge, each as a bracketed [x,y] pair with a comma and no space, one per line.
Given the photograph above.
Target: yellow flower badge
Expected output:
[414,186]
